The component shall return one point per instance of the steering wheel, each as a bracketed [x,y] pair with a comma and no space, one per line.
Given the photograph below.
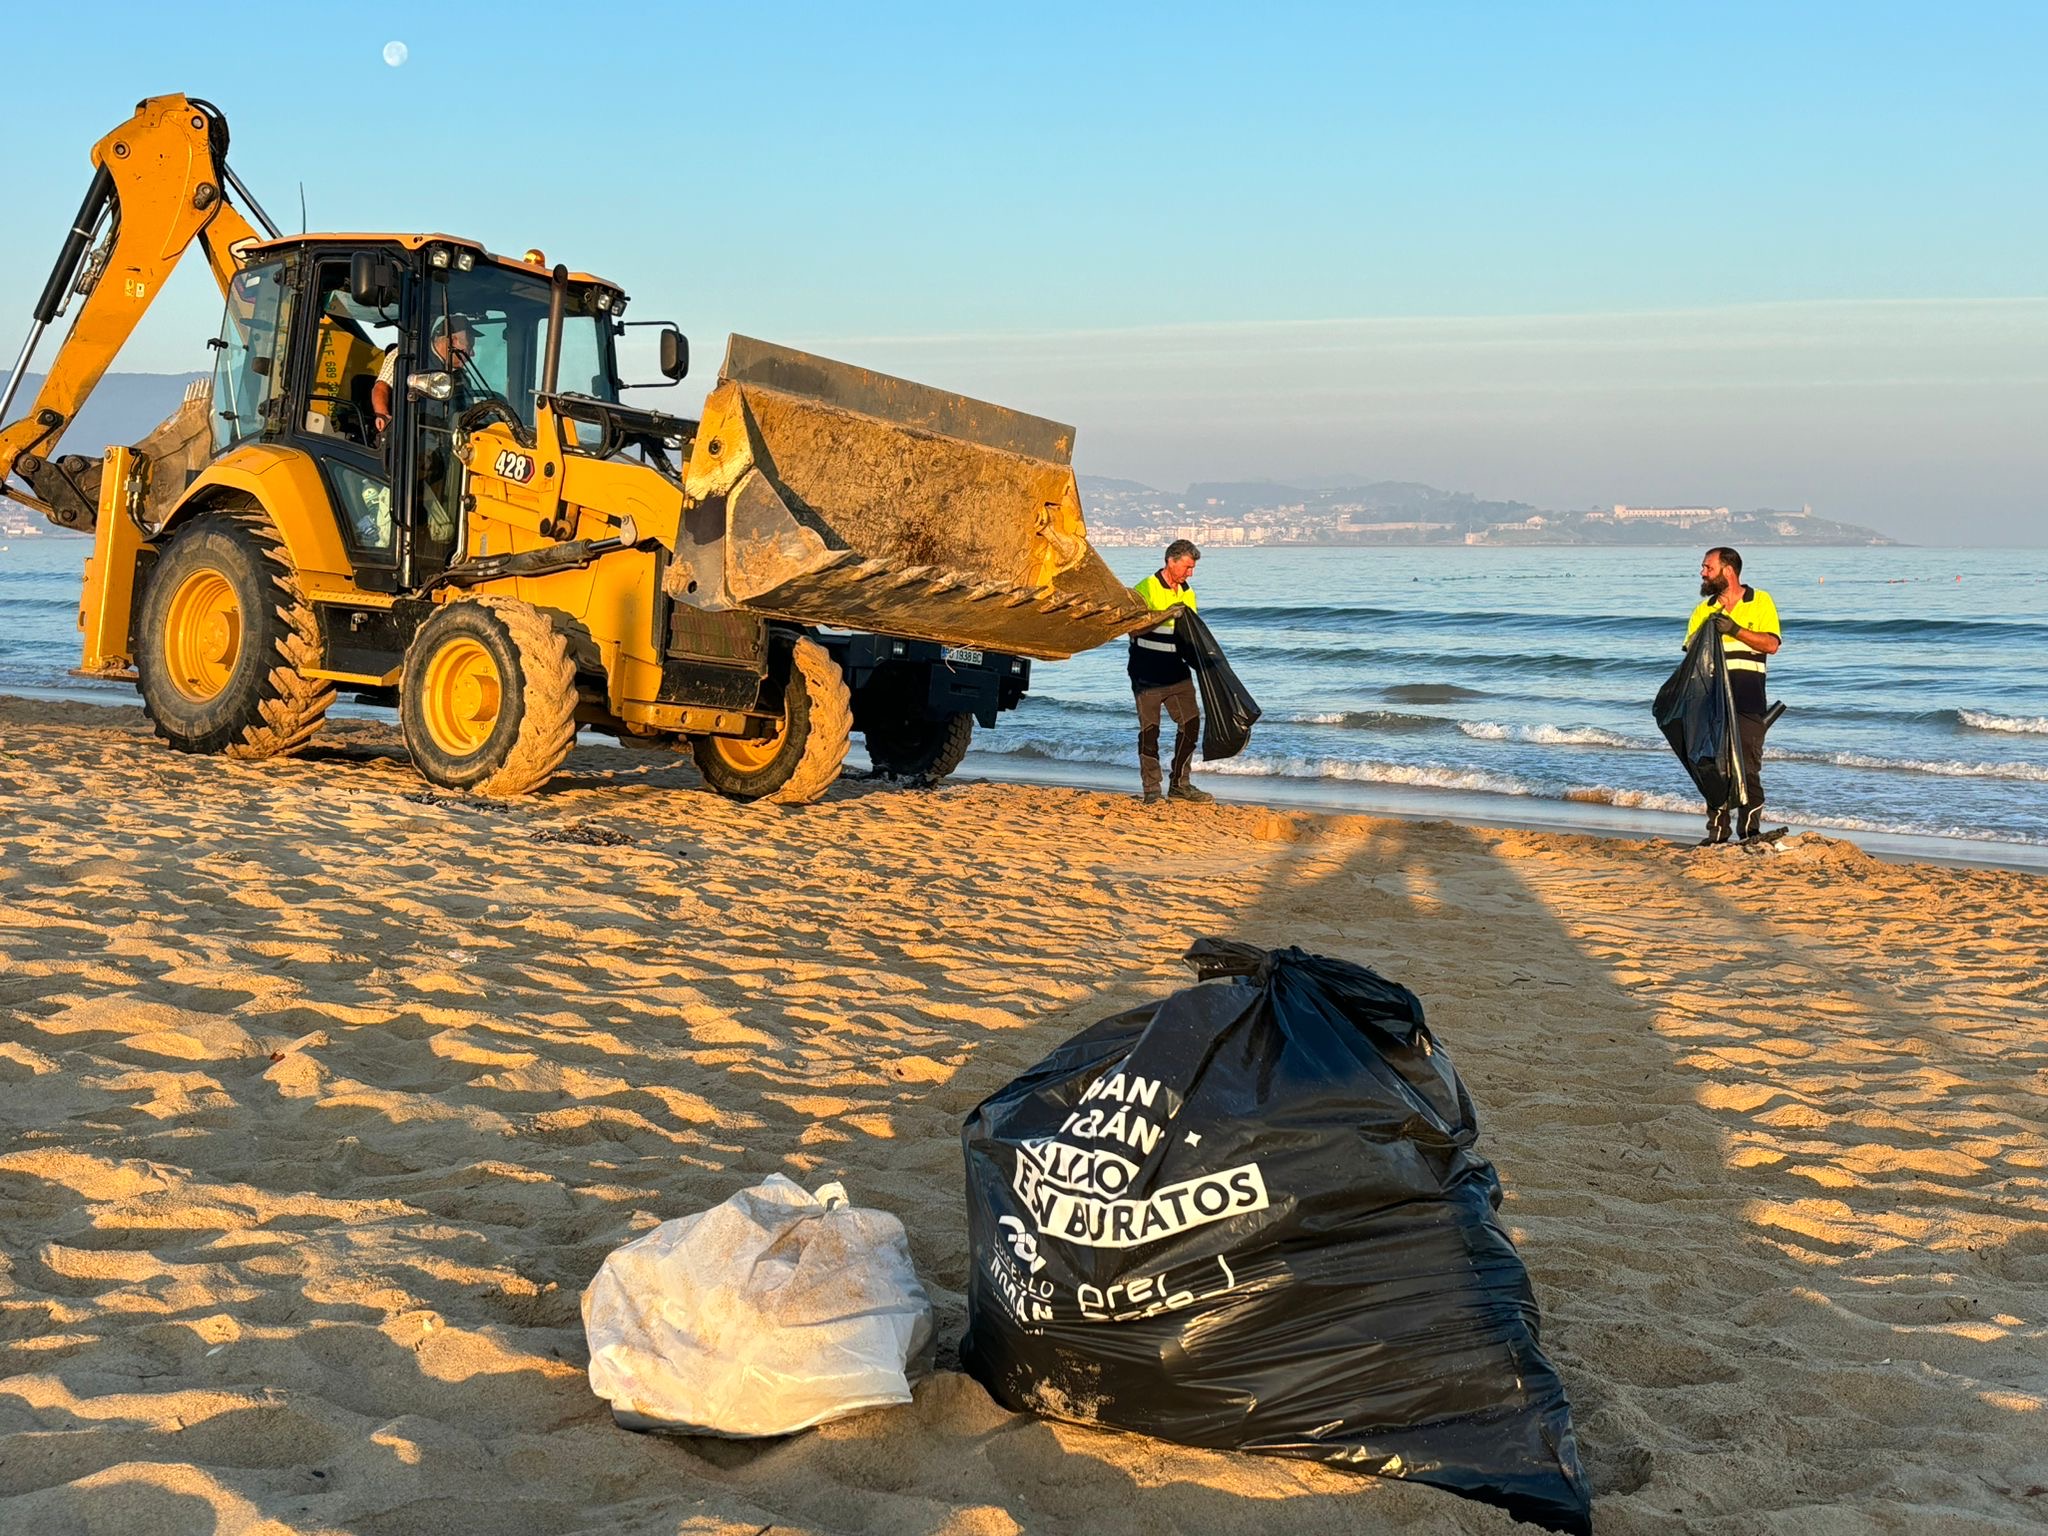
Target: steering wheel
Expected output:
[478,387]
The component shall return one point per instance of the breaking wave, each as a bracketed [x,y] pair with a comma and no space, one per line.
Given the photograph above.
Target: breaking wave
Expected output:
[2018,725]
[1353,771]
[1557,735]
[1595,736]
[1442,776]
[1349,770]
[2032,773]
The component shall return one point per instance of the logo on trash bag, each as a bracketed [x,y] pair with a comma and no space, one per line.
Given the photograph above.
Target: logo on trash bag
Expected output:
[1098,1223]
[1080,1170]
[1023,1244]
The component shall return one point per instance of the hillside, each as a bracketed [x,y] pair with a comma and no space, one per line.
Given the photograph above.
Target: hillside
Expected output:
[122,409]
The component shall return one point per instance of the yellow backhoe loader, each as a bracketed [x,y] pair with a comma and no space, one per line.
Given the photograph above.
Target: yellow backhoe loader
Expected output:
[412,478]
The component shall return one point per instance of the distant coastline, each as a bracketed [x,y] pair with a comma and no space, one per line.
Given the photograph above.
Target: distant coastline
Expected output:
[1398,514]
[1115,526]
[1392,514]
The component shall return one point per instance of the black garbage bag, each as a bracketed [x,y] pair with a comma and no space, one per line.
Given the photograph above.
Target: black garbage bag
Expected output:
[1250,1217]
[1228,709]
[1695,709]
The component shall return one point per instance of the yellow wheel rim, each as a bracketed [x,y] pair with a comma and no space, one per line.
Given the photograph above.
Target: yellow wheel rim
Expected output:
[203,636]
[463,692]
[749,754]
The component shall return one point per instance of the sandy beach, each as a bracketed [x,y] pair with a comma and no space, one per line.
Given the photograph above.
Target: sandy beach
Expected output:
[324,1095]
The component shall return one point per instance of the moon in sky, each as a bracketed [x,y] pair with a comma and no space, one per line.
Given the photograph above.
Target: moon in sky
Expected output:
[395,54]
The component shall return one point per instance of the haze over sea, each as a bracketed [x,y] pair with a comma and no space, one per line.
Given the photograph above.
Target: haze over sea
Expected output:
[1509,684]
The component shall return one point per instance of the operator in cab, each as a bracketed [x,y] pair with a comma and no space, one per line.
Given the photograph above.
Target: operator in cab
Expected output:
[1161,681]
[452,345]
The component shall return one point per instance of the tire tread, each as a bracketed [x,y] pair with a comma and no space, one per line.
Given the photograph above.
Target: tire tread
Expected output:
[289,707]
[831,726]
[547,727]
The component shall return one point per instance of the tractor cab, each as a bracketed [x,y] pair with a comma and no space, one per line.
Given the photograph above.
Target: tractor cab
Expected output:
[370,354]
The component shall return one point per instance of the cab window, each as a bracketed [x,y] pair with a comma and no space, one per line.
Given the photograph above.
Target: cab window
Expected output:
[352,346]
[249,361]
[507,316]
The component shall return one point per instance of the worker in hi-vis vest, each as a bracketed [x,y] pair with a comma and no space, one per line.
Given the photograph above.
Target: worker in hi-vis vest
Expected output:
[1747,622]
[1161,681]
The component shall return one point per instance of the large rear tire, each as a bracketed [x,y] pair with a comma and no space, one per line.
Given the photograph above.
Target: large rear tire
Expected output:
[801,760]
[488,699]
[924,750]
[225,641]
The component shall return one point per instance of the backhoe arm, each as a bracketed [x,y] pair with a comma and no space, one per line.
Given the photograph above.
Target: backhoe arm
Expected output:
[159,183]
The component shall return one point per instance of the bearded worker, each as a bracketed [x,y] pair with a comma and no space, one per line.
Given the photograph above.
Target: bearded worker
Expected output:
[1747,621]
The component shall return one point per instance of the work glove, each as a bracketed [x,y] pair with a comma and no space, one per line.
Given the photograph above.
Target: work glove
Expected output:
[1723,625]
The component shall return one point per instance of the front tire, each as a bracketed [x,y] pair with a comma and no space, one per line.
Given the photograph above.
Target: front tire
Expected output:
[923,751]
[225,641]
[488,699]
[802,759]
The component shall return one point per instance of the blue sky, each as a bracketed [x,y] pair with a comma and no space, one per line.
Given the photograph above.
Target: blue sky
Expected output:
[1845,208]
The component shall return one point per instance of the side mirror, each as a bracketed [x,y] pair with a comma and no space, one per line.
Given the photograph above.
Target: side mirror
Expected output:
[675,354]
[373,280]
[430,386]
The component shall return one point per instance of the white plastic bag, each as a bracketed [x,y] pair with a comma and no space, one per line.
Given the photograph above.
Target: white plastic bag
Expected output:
[765,1315]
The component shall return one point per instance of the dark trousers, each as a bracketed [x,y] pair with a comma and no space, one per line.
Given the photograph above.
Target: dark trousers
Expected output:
[1177,700]
[1752,728]
[1749,815]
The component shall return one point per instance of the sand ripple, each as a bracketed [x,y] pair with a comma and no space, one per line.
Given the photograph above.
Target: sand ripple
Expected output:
[324,1097]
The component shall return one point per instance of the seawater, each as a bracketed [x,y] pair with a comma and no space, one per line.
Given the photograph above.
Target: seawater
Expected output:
[1915,680]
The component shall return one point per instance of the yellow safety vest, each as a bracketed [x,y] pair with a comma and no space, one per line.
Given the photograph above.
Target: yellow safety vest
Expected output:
[1157,595]
[1755,613]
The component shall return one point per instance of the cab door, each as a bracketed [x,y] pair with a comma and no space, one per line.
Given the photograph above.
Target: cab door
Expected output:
[429,473]
[345,348]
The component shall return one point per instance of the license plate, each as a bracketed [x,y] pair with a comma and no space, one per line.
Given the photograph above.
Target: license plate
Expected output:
[962,654]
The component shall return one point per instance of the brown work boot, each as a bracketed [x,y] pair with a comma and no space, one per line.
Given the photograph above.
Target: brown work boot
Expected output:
[1151,797]
[1186,791]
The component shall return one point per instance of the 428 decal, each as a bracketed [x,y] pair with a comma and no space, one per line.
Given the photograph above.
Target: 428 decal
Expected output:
[513,466]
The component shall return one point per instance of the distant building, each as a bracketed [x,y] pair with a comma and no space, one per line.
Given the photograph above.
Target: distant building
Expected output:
[1679,515]
[1347,526]
[17,522]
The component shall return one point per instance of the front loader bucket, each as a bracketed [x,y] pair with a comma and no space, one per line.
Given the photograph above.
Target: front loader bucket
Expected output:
[179,446]
[856,499]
